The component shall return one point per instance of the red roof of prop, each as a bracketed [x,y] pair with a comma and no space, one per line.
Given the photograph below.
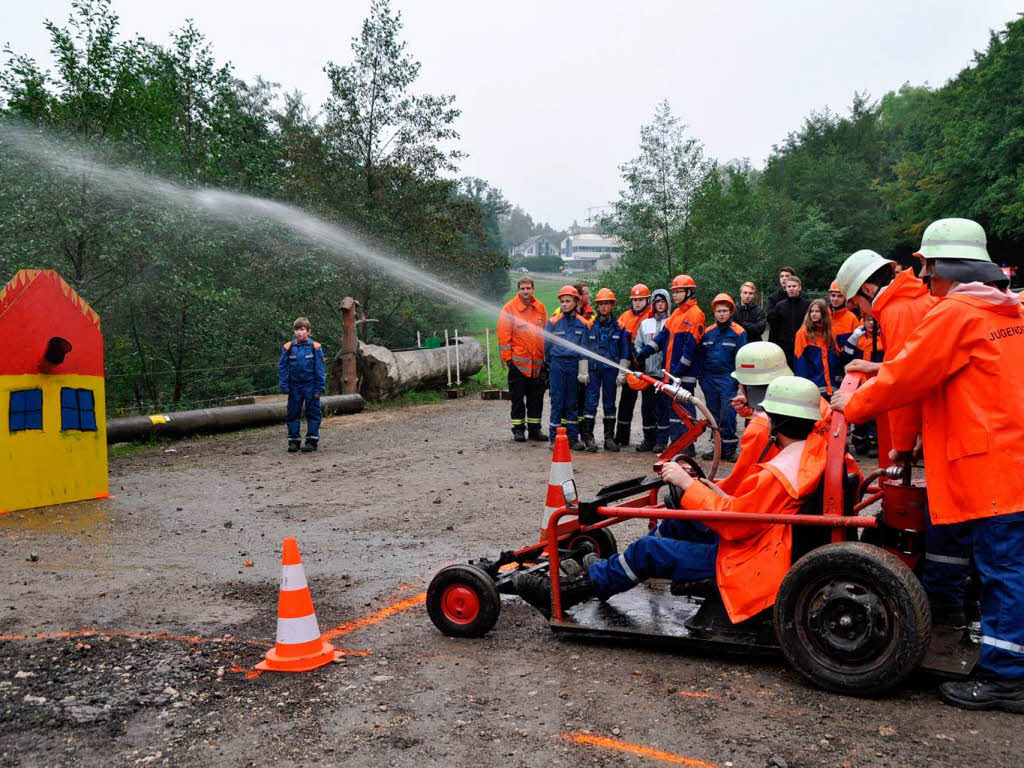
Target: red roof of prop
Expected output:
[37,305]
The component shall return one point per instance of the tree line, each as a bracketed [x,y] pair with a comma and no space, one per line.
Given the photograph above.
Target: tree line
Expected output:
[874,177]
[194,310]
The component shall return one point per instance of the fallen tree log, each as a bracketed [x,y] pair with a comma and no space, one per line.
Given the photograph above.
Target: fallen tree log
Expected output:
[386,373]
[208,420]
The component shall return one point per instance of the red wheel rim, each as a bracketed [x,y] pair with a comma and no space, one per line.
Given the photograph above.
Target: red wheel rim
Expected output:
[460,604]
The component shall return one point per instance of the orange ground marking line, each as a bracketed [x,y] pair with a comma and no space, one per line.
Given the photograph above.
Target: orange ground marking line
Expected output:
[374,618]
[636,749]
[696,694]
[136,635]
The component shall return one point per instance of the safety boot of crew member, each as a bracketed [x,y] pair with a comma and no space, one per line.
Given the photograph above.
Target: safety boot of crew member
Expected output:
[293,445]
[535,435]
[647,444]
[690,451]
[609,435]
[519,434]
[622,434]
[535,589]
[1004,695]
[310,445]
[948,613]
[726,455]
[587,434]
[658,448]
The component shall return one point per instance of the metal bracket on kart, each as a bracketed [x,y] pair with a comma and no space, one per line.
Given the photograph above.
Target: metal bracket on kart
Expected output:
[672,387]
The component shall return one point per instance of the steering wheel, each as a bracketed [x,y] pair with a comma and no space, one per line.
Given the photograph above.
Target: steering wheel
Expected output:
[693,469]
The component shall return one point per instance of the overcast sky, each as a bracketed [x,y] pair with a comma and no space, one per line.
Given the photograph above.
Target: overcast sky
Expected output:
[553,93]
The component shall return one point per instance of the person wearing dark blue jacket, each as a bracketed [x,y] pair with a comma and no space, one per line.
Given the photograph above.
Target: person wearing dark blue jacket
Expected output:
[611,341]
[716,360]
[568,366]
[301,375]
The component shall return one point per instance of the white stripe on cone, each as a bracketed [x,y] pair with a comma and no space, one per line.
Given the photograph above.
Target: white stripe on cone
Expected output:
[293,578]
[295,631]
[560,472]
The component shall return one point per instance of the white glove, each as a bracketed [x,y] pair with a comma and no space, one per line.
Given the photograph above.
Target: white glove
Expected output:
[583,377]
[621,378]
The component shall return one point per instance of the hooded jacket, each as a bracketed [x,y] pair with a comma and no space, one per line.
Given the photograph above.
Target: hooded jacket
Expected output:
[648,328]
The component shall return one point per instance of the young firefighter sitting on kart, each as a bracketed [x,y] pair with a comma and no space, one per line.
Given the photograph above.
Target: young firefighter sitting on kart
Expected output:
[751,558]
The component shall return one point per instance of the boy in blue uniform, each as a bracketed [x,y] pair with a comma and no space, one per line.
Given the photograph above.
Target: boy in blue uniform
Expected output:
[611,341]
[716,360]
[301,375]
[568,366]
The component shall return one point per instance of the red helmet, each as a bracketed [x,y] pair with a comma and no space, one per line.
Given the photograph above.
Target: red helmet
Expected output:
[682,281]
[568,290]
[639,291]
[724,298]
[605,294]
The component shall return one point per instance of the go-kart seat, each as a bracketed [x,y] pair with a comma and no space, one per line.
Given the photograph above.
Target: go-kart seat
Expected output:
[806,538]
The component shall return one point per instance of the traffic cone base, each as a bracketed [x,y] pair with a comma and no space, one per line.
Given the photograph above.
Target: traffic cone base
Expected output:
[299,646]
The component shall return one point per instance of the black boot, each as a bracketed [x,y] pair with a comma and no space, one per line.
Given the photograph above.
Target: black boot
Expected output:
[587,434]
[1005,695]
[535,435]
[648,442]
[293,445]
[310,445]
[518,434]
[609,435]
[948,613]
[535,588]
[622,433]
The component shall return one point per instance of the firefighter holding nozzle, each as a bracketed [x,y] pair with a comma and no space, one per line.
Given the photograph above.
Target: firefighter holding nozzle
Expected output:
[964,363]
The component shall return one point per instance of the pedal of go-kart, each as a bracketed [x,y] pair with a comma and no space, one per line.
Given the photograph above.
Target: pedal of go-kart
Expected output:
[697,588]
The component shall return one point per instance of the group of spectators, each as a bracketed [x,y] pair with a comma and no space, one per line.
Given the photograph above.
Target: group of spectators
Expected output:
[660,332]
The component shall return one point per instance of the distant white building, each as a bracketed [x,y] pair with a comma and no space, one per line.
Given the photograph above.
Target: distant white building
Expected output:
[590,252]
[538,245]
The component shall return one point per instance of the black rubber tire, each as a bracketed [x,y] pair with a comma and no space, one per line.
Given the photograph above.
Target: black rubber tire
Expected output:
[477,581]
[601,541]
[884,604]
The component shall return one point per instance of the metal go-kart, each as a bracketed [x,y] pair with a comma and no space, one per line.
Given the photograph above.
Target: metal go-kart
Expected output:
[850,616]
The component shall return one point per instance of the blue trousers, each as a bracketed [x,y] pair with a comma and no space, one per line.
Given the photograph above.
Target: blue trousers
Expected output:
[998,544]
[314,415]
[947,561]
[601,386]
[675,549]
[675,424]
[562,383]
[719,389]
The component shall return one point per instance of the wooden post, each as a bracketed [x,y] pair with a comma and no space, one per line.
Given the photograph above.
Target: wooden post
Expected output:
[458,372]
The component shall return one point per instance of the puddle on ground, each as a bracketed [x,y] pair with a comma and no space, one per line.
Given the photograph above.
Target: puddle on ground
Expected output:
[76,517]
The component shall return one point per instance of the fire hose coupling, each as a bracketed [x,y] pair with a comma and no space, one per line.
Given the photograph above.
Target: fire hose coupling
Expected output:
[894,472]
[674,387]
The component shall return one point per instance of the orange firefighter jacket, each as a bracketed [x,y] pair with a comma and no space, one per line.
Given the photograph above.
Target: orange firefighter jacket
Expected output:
[630,321]
[753,558]
[520,336]
[901,306]
[685,329]
[964,364]
[756,437]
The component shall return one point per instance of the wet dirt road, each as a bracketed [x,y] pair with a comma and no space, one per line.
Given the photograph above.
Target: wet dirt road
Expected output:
[133,594]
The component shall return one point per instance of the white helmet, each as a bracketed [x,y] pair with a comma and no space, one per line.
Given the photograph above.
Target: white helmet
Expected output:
[793,396]
[857,268]
[954,239]
[760,362]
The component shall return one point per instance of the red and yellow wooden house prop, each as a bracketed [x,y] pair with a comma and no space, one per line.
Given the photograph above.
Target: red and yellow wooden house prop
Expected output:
[53,436]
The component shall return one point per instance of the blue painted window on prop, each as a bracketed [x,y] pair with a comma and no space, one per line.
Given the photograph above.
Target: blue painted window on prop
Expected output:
[77,409]
[26,411]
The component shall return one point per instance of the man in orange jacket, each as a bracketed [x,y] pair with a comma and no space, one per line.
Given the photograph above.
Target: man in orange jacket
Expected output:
[749,560]
[964,363]
[521,344]
[900,300]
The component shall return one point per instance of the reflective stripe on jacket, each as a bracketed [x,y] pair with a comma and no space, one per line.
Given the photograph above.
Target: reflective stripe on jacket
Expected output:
[964,364]
[573,329]
[679,338]
[520,337]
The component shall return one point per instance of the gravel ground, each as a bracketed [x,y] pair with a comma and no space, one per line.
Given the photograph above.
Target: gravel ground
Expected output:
[134,597]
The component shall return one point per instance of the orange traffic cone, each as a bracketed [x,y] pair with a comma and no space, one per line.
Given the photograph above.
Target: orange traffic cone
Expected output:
[561,470]
[299,646]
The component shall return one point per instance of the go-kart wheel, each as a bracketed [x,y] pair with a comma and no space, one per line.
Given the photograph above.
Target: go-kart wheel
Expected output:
[600,541]
[463,601]
[852,618]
